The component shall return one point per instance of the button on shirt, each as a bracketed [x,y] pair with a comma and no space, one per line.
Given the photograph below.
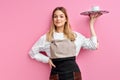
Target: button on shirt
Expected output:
[43,45]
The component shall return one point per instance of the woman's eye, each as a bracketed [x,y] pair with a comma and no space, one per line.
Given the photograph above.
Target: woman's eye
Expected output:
[61,16]
[58,16]
[55,16]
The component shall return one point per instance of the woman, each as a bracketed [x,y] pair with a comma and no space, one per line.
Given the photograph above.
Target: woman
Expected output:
[62,45]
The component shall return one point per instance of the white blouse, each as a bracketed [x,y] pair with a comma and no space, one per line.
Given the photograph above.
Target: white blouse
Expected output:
[43,45]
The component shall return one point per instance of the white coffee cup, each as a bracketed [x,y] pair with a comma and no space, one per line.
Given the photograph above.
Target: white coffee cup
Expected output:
[95,8]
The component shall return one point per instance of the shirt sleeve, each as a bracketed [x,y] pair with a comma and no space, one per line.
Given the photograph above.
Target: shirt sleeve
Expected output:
[89,43]
[85,43]
[36,48]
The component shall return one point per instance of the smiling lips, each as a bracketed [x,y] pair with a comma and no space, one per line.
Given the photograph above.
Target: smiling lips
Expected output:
[58,22]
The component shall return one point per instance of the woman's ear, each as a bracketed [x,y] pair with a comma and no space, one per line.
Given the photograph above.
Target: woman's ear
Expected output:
[65,20]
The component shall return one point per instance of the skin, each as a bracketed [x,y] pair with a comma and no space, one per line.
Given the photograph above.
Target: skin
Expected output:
[59,21]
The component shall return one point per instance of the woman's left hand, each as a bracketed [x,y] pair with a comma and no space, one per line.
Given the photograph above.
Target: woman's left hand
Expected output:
[93,17]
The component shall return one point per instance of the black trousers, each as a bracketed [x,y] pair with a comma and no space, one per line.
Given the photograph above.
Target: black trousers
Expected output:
[66,69]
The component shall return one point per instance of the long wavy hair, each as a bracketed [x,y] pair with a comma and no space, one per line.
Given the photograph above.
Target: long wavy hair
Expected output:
[67,28]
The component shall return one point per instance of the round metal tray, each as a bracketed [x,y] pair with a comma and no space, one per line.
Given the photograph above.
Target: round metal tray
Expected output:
[87,13]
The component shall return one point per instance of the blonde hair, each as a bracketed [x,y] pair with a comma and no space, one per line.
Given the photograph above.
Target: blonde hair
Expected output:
[67,28]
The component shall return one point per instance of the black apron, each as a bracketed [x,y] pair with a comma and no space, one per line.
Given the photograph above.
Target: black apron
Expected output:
[63,57]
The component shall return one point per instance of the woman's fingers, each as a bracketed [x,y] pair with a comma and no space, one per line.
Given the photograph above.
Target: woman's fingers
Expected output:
[95,15]
[51,63]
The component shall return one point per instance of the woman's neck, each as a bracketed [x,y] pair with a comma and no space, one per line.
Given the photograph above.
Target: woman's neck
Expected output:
[60,30]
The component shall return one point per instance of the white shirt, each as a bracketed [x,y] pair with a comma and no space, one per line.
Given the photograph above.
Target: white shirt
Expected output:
[43,45]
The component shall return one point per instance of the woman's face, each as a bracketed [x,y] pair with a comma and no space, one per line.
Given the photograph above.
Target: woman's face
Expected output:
[59,19]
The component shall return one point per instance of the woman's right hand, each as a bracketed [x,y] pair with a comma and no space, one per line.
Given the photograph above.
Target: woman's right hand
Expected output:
[51,63]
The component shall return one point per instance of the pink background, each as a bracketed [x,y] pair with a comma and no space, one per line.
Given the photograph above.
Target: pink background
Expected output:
[22,22]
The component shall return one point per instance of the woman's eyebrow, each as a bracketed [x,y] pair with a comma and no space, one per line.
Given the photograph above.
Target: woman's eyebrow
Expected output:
[59,14]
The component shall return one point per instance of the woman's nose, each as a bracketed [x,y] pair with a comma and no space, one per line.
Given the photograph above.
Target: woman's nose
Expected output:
[58,18]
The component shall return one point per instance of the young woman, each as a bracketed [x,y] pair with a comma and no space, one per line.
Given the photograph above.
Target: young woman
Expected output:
[62,45]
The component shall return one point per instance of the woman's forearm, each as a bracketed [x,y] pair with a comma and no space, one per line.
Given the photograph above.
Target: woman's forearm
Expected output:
[92,30]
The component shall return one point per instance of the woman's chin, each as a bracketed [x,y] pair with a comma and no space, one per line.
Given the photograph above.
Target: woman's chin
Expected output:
[59,26]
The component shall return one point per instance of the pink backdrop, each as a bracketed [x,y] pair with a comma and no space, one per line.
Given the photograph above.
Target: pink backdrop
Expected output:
[22,22]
